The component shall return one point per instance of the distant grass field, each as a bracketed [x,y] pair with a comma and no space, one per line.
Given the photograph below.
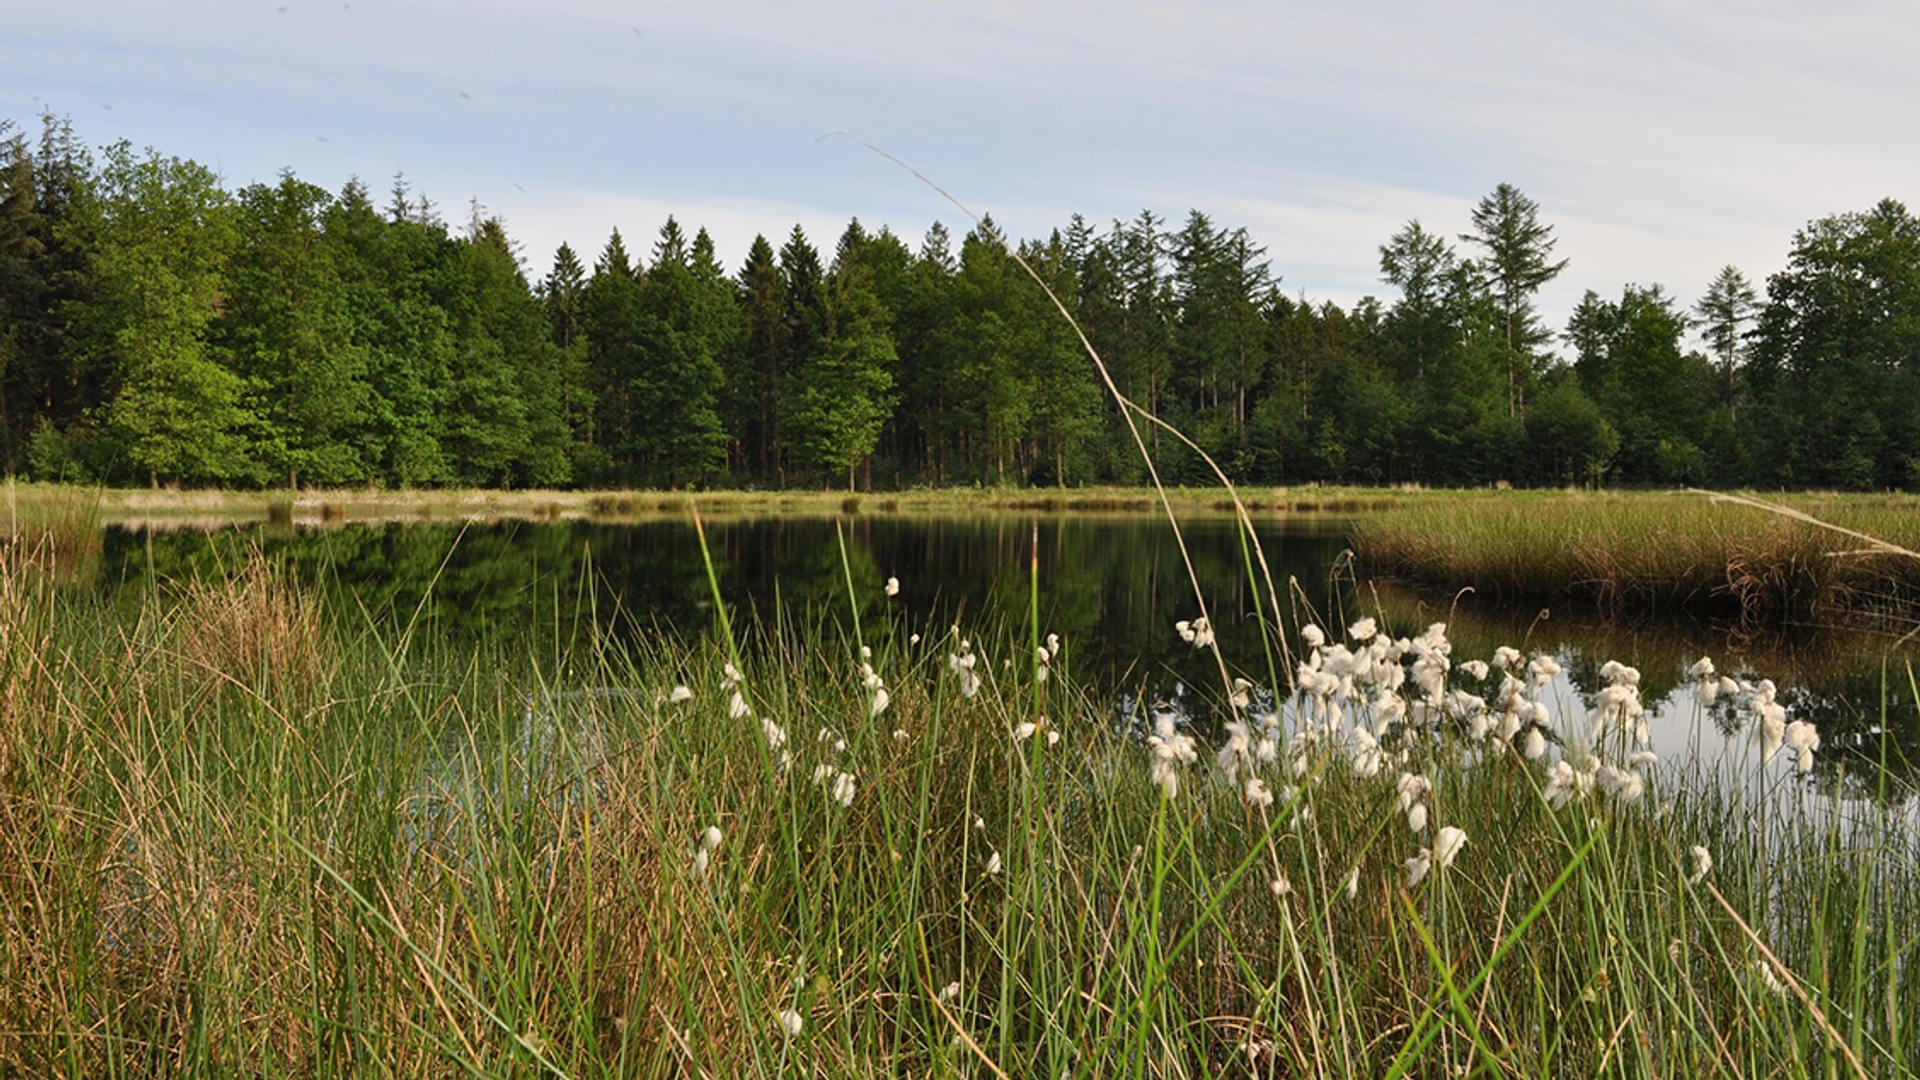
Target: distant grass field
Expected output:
[1660,553]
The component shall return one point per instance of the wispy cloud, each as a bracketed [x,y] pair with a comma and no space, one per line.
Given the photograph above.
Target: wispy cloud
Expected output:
[1661,139]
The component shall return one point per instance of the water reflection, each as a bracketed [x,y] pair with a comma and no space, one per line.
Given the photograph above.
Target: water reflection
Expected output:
[1111,587]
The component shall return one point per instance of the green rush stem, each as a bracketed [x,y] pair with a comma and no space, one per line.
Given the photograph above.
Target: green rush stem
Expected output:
[1423,1032]
[719,604]
[853,602]
[1033,610]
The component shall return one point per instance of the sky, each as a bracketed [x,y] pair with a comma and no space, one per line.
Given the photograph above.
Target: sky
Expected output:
[1661,141]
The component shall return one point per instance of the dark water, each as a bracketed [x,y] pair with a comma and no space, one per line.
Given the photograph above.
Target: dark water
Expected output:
[1111,587]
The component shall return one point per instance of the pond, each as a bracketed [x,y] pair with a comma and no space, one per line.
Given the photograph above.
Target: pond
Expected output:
[1112,587]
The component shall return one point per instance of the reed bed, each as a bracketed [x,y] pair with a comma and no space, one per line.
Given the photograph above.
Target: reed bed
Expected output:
[1638,554]
[242,836]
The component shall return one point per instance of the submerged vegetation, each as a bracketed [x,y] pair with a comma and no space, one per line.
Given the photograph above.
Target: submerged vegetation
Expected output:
[244,835]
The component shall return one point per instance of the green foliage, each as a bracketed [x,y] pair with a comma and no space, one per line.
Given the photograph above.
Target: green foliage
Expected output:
[1722,316]
[1630,364]
[1578,441]
[690,324]
[286,326]
[1836,357]
[841,393]
[167,230]
[1519,250]
[155,327]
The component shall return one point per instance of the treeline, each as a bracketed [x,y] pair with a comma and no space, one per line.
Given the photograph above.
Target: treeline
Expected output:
[157,327]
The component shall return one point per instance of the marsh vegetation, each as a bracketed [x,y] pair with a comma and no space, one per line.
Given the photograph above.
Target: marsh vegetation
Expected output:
[250,825]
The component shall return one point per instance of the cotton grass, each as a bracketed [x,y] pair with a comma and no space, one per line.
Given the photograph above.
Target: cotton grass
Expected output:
[396,855]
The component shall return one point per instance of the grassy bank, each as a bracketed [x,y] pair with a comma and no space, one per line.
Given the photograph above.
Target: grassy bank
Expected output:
[167,509]
[1658,553]
[174,509]
[240,835]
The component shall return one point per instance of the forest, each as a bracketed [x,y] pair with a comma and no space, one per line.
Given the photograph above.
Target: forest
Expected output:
[158,328]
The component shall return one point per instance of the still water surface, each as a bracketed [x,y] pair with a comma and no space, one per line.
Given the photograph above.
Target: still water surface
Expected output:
[1111,587]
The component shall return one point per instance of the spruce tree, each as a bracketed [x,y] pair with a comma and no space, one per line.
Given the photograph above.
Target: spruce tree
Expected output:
[1518,253]
[760,293]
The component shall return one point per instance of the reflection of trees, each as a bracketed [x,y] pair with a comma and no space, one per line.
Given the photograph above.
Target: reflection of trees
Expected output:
[1112,588]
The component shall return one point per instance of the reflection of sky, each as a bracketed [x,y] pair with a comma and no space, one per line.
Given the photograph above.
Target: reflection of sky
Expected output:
[1662,141]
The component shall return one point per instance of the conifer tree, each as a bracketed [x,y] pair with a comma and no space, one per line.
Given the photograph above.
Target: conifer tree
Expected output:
[399,277]
[564,295]
[1518,252]
[839,398]
[613,321]
[1723,316]
[761,295]
[678,437]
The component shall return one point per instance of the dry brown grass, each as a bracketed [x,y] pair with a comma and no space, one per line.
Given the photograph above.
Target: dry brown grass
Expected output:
[251,628]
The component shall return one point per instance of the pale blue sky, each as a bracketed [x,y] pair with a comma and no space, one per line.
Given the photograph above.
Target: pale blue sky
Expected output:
[1662,140]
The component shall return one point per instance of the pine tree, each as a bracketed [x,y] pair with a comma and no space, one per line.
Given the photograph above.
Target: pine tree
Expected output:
[21,244]
[1723,314]
[564,295]
[613,323]
[840,397]
[399,276]
[1518,249]
[803,314]
[761,295]
[685,331]
[507,425]
[55,362]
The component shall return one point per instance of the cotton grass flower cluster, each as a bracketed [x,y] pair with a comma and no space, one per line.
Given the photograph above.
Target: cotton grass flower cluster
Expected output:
[791,1022]
[962,663]
[1770,730]
[1043,657]
[775,737]
[704,848]
[1377,708]
[877,687]
[1172,749]
[1702,865]
[1446,845]
[840,784]
[1374,702]
[1027,729]
[1198,633]
[731,679]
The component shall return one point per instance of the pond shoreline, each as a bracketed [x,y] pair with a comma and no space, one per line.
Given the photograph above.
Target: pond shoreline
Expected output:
[1624,554]
[215,507]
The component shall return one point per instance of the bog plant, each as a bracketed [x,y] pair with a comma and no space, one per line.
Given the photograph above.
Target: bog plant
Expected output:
[900,850]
